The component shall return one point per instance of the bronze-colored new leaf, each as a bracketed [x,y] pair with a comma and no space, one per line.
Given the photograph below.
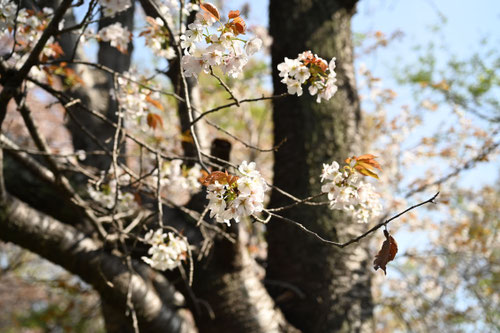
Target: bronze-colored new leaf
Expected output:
[156,103]
[233,14]
[219,176]
[211,10]
[386,253]
[365,164]
[238,25]
[154,121]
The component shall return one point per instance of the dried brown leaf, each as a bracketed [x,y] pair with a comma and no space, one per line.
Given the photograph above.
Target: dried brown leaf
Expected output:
[386,253]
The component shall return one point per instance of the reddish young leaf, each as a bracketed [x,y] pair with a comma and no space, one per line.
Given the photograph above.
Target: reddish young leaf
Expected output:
[151,21]
[365,164]
[154,121]
[386,253]
[211,10]
[369,159]
[156,103]
[238,25]
[366,157]
[321,64]
[233,14]
[365,171]
[50,79]
[203,177]
[57,49]
[219,176]
[315,61]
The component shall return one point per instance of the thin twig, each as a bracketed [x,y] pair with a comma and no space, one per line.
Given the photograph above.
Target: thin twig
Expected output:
[158,190]
[116,147]
[469,164]
[121,75]
[262,150]
[221,107]
[226,87]
[301,201]
[358,238]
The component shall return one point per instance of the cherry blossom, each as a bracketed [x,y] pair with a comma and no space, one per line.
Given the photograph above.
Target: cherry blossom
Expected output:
[29,27]
[224,49]
[117,35]
[177,178]
[105,195]
[346,191]
[233,198]
[309,68]
[112,7]
[166,251]
[157,38]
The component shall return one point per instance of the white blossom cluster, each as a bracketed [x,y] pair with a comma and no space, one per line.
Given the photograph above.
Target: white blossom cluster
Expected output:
[112,7]
[105,195]
[223,49]
[29,27]
[241,198]
[8,14]
[171,10]
[309,68]
[157,38]
[166,251]
[133,98]
[117,35]
[346,191]
[177,178]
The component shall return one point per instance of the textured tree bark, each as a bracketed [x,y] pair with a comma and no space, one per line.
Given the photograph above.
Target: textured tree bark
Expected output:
[232,290]
[229,295]
[335,282]
[96,92]
[65,246]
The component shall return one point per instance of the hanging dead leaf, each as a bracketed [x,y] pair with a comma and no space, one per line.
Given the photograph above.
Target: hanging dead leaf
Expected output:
[386,253]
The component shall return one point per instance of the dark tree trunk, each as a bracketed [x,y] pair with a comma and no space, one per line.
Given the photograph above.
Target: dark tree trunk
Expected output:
[96,93]
[235,300]
[335,282]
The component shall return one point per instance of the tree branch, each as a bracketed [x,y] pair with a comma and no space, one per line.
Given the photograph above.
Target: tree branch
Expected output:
[69,248]
[358,238]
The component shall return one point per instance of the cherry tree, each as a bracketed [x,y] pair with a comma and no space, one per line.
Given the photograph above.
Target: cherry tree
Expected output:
[149,209]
